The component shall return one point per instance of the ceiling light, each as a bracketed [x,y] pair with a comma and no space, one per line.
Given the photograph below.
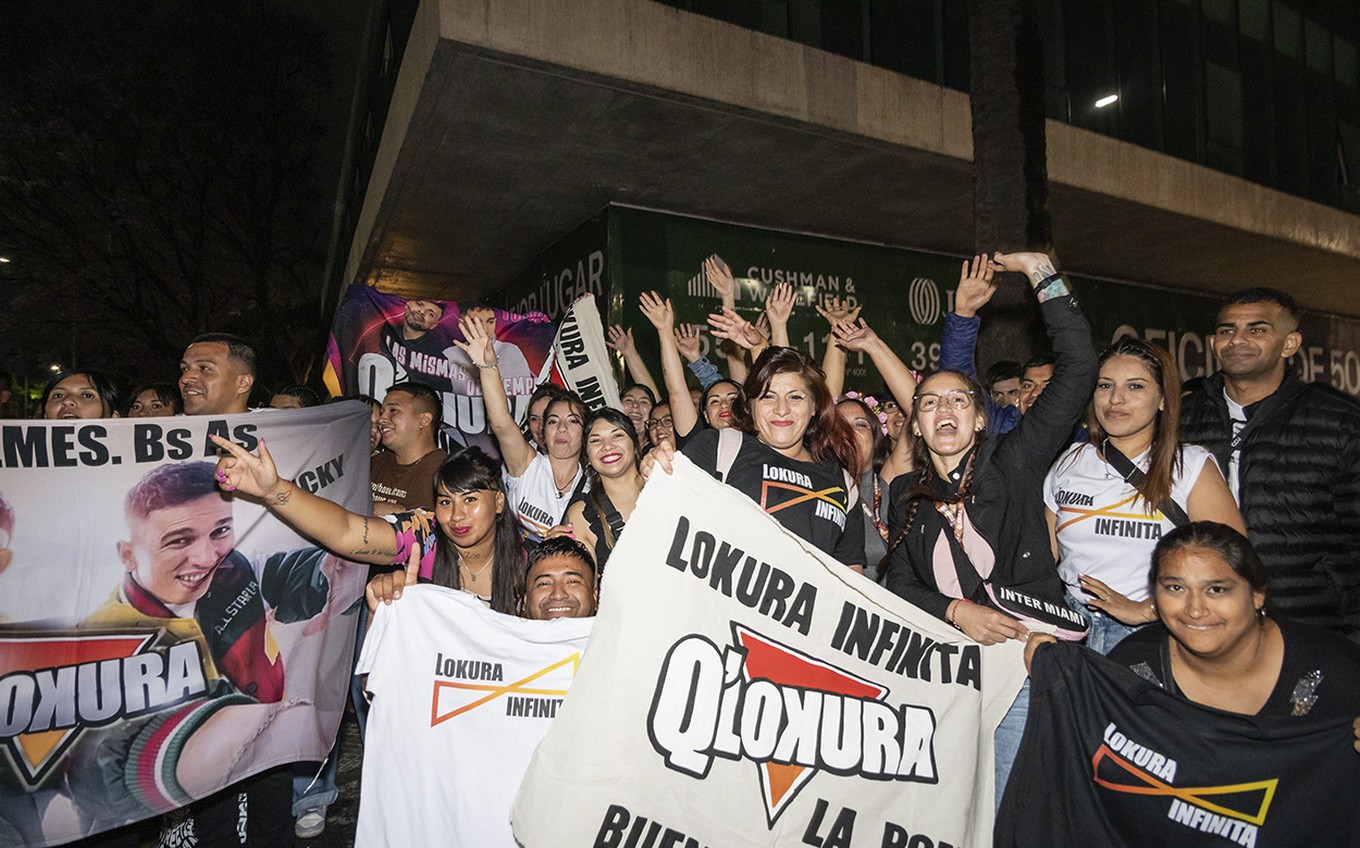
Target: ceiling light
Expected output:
[1106,100]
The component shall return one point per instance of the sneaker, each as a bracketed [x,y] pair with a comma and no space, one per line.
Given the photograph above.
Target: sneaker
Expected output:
[310,823]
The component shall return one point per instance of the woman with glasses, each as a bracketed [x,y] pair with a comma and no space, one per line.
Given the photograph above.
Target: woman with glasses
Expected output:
[970,541]
[661,426]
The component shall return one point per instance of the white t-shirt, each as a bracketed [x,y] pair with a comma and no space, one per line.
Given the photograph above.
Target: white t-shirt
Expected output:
[1104,528]
[1237,415]
[449,738]
[535,498]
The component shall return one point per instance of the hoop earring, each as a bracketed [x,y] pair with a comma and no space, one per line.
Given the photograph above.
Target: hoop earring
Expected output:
[1261,615]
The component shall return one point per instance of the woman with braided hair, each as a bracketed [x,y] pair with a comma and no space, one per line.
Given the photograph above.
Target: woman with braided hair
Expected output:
[970,540]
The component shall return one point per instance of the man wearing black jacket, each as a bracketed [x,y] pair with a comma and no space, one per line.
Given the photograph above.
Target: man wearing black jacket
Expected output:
[1291,453]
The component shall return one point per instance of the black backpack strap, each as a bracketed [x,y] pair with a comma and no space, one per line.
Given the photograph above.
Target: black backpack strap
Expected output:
[1134,476]
[611,515]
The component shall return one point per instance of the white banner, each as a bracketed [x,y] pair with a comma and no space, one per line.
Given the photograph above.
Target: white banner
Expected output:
[461,695]
[581,358]
[160,639]
[744,689]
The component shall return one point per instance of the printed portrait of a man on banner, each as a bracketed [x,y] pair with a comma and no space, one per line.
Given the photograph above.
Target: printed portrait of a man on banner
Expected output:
[164,639]
[379,340]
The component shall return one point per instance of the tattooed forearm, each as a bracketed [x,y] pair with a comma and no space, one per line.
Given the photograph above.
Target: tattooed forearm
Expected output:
[1042,270]
[358,552]
[365,529]
[280,498]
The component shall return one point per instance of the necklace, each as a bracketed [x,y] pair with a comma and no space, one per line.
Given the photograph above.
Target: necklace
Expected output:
[474,575]
[562,489]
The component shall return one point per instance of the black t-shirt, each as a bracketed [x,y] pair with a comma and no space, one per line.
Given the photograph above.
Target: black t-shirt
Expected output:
[1320,671]
[808,498]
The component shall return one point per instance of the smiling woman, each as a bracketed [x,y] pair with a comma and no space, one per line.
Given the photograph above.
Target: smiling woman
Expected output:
[790,452]
[597,517]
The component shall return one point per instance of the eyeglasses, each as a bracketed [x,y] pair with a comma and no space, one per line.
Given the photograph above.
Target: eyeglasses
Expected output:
[660,422]
[929,402]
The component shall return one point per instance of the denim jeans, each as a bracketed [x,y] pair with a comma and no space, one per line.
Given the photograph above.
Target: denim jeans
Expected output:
[1102,631]
[1007,739]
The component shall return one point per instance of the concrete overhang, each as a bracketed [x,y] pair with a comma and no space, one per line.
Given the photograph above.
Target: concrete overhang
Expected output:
[513,121]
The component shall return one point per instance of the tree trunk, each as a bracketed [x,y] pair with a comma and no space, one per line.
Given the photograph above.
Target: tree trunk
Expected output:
[1010,168]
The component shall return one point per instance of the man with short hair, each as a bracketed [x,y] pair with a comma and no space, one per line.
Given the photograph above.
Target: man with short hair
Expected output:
[403,475]
[1035,376]
[216,375]
[1291,453]
[561,581]
[1003,382]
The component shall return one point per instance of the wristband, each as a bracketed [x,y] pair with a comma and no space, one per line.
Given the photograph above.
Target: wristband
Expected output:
[488,367]
[1050,287]
[953,613]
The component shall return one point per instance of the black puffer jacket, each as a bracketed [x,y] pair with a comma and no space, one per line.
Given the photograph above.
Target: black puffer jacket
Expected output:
[1299,489]
[1005,501]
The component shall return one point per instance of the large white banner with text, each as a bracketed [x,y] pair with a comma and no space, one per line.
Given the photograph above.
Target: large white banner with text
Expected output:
[742,688]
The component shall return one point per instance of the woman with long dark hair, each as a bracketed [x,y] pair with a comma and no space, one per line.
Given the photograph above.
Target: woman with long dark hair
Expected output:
[970,543]
[472,544]
[597,517]
[538,485]
[80,394]
[155,400]
[1135,471]
[790,431]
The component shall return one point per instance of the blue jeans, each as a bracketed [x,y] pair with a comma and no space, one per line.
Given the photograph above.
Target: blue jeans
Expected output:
[314,783]
[1006,740]
[1102,631]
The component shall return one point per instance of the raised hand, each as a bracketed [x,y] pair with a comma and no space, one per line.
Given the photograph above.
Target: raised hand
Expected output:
[1032,264]
[779,304]
[478,345]
[719,276]
[386,588]
[736,329]
[621,340]
[687,339]
[854,336]
[245,472]
[658,310]
[976,286]
[833,309]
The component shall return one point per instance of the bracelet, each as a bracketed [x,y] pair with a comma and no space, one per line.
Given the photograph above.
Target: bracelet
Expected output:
[1050,287]
[953,613]
[488,367]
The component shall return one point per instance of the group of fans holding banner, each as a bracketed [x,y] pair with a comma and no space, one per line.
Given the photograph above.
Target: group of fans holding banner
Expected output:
[837,618]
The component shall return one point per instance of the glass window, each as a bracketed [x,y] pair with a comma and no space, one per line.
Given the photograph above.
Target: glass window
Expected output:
[1346,69]
[1223,104]
[1255,17]
[1319,47]
[1288,31]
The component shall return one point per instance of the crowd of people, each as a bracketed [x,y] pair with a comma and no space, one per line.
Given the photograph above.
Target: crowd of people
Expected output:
[1209,538]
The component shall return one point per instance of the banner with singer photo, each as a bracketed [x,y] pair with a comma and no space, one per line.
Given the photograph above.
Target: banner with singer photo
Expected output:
[380,339]
[161,639]
[742,688]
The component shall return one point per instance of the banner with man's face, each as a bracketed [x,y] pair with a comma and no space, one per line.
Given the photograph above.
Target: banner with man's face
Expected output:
[379,340]
[742,688]
[161,639]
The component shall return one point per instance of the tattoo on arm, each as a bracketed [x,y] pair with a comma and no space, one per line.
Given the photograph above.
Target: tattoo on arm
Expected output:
[365,531]
[281,498]
[1042,270]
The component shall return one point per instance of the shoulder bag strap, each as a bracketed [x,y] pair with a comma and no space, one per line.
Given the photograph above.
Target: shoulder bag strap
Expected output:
[1134,476]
